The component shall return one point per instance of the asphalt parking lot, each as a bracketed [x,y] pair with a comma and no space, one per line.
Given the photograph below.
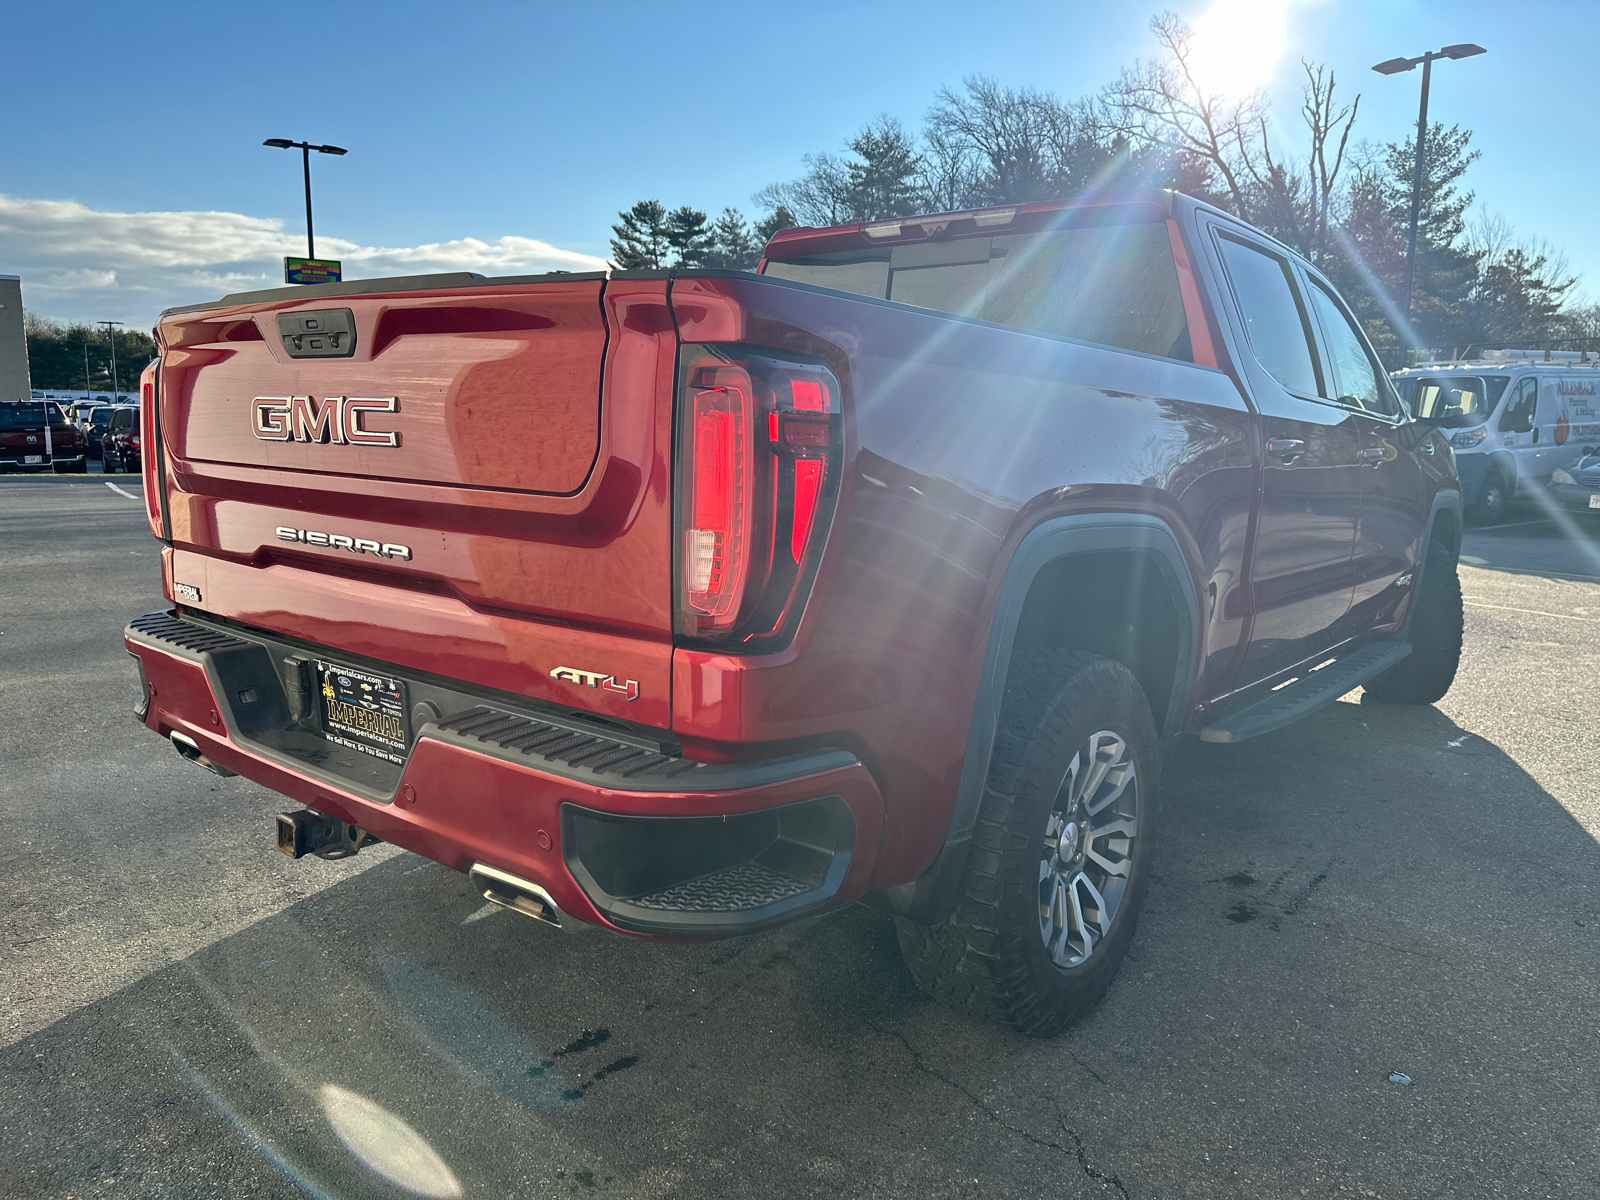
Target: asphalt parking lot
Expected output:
[186,1012]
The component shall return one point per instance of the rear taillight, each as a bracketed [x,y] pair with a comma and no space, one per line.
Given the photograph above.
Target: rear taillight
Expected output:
[144,431]
[759,451]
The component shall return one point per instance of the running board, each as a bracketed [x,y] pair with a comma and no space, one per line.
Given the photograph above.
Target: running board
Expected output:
[1315,688]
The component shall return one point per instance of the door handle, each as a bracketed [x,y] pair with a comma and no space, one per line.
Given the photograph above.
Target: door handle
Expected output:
[1286,450]
[1371,456]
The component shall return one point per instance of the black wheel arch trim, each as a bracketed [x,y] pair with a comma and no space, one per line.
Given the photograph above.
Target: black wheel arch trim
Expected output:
[928,900]
[1444,500]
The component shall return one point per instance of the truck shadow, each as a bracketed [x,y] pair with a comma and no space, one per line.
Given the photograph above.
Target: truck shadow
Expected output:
[1358,895]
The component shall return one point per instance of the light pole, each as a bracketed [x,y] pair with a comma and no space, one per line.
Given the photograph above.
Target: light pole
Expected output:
[111,336]
[305,149]
[1393,67]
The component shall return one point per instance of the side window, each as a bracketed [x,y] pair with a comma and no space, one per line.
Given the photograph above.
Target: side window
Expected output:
[1276,325]
[1357,380]
[121,420]
[1518,416]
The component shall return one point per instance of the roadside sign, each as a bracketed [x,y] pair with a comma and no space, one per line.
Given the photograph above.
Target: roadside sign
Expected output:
[312,270]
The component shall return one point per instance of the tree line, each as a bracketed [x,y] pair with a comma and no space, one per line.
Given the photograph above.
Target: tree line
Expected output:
[57,355]
[1344,205]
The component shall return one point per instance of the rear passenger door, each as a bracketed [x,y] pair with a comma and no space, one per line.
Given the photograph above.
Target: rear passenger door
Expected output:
[1301,573]
[1394,493]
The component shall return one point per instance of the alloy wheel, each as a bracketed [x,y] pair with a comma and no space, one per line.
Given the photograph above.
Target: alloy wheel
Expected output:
[1088,848]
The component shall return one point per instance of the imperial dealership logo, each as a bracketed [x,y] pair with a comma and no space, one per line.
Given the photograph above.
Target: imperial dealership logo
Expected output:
[337,420]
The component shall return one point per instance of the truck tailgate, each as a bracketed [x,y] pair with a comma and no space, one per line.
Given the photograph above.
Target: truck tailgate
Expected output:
[490,459]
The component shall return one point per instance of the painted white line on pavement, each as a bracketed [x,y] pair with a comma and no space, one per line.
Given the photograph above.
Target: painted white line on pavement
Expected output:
[120,492]
[1532,612]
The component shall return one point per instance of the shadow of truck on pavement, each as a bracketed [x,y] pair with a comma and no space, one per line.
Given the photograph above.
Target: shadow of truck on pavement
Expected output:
[1373,891]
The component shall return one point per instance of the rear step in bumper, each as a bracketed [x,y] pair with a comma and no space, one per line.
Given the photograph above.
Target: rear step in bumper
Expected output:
[1319,686]
[611,830]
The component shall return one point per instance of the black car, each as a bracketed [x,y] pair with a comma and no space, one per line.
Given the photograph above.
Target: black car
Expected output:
[95,428]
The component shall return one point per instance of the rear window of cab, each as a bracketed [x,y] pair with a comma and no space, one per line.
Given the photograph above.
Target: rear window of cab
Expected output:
[1099,278]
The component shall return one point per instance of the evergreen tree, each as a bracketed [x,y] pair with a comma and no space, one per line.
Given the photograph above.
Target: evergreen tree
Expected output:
[1446,269]
[1517,301]
[883,176]
[733,246]
[641,240]
[779,218]
[688,236]
[56,355]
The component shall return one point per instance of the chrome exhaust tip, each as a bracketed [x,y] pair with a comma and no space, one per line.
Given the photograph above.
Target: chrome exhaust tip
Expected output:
[529,899]
[189,749]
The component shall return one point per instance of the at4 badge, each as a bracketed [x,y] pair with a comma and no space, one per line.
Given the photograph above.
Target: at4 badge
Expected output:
[628,689]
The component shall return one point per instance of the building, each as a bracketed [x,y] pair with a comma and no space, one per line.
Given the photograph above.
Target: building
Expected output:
[14,383]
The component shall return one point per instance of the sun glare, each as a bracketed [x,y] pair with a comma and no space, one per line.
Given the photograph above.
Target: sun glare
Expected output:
[1237,45]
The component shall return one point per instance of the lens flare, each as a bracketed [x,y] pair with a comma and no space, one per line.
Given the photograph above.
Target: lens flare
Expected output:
[1237,45]
[387,1144]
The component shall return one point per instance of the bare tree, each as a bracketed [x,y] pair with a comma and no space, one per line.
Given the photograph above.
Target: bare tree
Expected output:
[1323,123]
[819,197]
[1162,102]
[1000,145]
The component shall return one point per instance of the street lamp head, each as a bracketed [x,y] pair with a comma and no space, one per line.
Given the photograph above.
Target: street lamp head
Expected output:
[279,143]
[1462,50]
[331,149]
[1395,65]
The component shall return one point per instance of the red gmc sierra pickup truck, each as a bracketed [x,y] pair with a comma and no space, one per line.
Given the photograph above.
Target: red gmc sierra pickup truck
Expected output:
[686,603]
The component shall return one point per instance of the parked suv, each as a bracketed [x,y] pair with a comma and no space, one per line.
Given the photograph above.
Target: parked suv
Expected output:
[687,603]
[119,444]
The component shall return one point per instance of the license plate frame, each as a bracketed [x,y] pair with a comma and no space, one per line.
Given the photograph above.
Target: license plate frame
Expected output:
[364,711]
[1594,500]
[33,460]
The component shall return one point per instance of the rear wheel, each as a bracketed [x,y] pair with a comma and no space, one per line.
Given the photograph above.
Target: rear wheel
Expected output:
[1058,867]
[109,464]
[1436,627]
[1493,500]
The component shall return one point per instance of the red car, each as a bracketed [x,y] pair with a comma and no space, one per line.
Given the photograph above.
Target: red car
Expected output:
[35,435]
[120,444]
[689,603]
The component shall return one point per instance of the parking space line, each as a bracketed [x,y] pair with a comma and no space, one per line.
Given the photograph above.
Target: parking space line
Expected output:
[120,492]
[1532,612]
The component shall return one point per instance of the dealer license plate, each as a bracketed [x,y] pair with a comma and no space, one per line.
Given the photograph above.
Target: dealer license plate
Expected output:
[365,712]
[1594,501]
[32,460]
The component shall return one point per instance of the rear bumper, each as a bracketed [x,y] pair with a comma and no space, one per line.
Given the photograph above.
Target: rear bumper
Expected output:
[619,832]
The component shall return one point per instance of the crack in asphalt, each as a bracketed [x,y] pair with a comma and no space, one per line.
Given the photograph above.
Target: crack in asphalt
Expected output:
[1075,1151]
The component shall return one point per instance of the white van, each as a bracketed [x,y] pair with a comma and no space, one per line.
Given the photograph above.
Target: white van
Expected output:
[1514,418]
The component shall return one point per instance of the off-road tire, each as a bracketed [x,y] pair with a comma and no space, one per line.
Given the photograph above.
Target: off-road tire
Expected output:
[1493,500]
[1436,625]
[989,957]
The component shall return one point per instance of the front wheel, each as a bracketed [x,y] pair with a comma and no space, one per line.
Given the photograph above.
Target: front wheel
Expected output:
[1436,628]
[1492,501]
[1059,861]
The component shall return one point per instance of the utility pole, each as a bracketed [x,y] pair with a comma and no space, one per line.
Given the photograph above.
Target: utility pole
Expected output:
[88,388]
[111,336]
[1393,67]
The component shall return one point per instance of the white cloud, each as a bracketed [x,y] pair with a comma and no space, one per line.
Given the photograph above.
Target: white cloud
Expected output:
[80,263]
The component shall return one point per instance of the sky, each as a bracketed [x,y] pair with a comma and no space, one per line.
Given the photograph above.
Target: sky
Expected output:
[503,138]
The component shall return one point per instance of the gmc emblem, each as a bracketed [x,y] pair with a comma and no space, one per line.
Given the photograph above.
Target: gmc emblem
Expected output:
[628,689]
[337,420]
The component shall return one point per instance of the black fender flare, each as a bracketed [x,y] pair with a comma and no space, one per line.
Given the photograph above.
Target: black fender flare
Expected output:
[1444,500]
[928,900]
